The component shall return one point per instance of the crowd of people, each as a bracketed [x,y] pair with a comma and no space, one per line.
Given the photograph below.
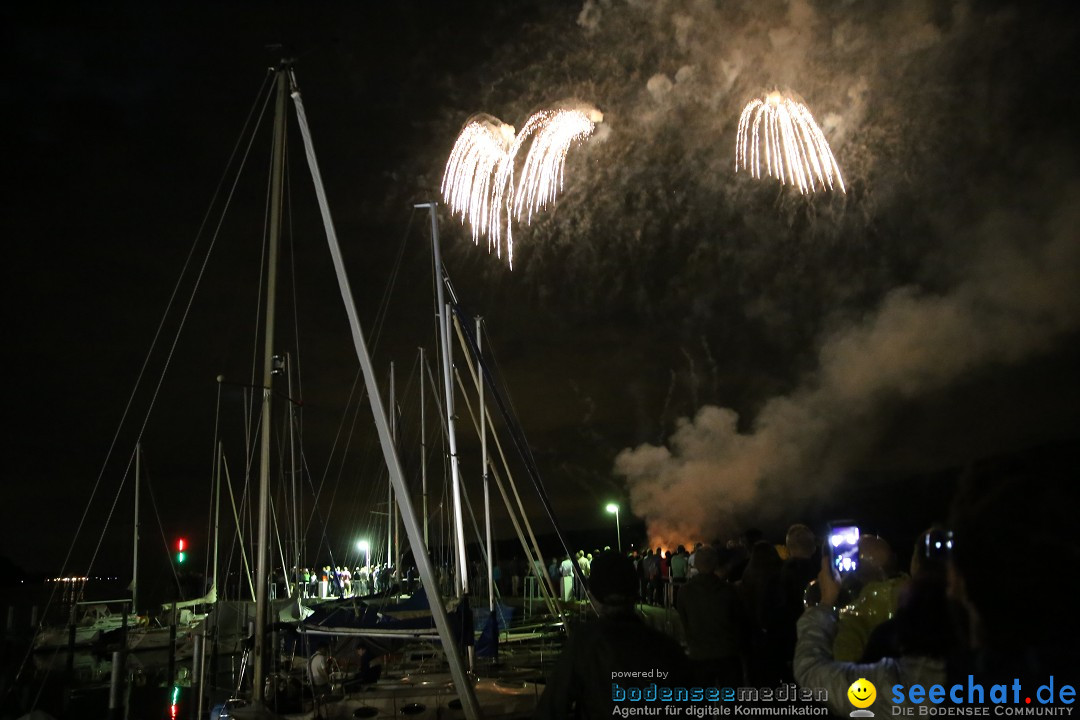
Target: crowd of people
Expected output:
[337,581]
[738,601]
[988,595]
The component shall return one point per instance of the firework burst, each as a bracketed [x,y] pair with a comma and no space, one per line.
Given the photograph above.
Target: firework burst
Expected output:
[542,174]
[478,182]
[467,184]
[794,148]
[504,183]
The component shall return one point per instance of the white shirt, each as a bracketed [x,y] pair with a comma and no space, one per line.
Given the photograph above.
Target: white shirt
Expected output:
[320,675]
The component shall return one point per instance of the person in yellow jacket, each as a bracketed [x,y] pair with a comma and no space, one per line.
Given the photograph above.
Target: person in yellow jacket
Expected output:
[876,601]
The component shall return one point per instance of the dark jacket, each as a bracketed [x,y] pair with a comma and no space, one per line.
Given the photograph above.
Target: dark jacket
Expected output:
[712,618]
[581,684]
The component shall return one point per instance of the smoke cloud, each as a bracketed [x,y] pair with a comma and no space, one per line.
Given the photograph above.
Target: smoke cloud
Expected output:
[1018,297]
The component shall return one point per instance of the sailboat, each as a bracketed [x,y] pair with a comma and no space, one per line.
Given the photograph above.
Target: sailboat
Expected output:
[84,630]
[465,687]
[174,623]
[454,690]
[98,624]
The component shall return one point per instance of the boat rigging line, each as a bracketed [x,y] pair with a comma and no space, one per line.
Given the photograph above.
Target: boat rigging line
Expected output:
[161,325]
[256,114]
[516,434]
[462,681]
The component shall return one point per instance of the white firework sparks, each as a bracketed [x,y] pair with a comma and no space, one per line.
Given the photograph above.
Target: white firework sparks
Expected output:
[794,148]
[479,183]
[480,150]
[542,174]
[504,183]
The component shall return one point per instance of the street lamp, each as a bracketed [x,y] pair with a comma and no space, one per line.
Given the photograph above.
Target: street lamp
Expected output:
[365,547]
[613,508]
[365,576]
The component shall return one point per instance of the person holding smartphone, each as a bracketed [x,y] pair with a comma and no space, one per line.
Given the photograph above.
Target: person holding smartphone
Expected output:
[816,667]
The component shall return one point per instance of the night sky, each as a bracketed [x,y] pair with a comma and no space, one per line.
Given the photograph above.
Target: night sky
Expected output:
[709,349]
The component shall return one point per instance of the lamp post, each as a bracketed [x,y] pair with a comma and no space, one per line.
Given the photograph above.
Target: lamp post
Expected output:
[364,576]
[613,508]
[365,547]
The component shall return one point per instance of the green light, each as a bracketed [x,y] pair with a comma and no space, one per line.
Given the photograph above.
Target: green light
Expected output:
[181,557]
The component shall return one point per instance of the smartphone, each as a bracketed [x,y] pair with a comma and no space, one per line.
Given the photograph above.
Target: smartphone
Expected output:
[937,543]
[843,545]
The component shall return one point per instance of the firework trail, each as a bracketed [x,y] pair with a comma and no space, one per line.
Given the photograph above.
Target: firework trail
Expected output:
[504,182]
[479,184]
[542,174]
[480,150]
[795,149]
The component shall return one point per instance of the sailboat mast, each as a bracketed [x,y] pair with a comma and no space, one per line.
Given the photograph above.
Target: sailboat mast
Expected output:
[455,471]
[292,474]
[462,682]
[217,515]
[135,535]
[395,510]
[262,565]
[423,452]
[389,482]
[484,461]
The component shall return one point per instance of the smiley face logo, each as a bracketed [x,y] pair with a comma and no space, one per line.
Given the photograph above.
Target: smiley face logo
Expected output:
[862,693]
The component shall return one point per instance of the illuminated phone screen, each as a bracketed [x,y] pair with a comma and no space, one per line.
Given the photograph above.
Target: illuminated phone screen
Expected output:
[844,548]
